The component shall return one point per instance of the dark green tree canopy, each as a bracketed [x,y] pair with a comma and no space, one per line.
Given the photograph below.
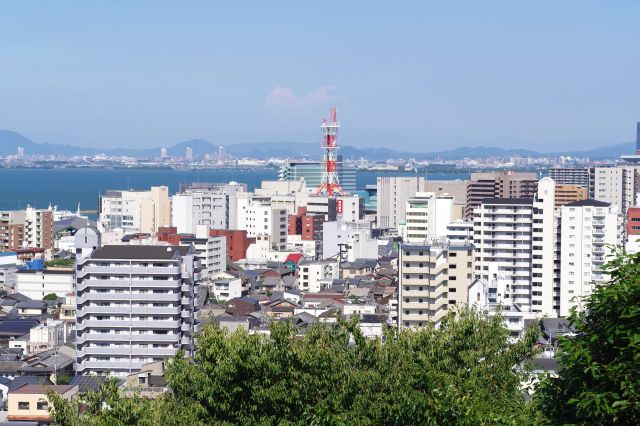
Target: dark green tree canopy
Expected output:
[461,373]
[599,376]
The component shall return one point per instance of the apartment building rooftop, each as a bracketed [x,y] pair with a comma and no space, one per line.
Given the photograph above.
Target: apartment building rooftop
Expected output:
[507,201]
[139,252]
[588,203]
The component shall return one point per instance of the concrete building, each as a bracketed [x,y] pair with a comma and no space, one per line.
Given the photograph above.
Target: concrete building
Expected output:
[352,240]
[317,275]
[588,228]
[237,242]
[456,188]
[86,240]
[311,172]
[423,296]
[30,403]
[392,196]
[615,185]
[36,284]
[580,176]
[135,211]
[136,304]
[566,194]
[504,184]
[434,277]
[260,219]
[309,227]
[426,216]
[210,251]
[517,236]
[47,335]
[292,194]
[229,287]
[460,232]
[632,221]
[209,204]
[460,273]
[8,268]
[26,228]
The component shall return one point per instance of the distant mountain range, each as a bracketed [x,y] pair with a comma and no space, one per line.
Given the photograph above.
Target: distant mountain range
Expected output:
[10,141]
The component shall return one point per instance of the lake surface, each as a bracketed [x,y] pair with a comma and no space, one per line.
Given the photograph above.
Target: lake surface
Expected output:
[68,187]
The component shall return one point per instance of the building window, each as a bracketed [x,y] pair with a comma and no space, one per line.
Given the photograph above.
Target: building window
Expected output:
[22,405]
[43,405]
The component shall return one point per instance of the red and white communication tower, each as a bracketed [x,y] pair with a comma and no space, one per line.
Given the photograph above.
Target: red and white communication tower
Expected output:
[330,183]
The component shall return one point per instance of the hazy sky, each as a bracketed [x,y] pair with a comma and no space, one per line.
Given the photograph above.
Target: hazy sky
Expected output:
[421,75]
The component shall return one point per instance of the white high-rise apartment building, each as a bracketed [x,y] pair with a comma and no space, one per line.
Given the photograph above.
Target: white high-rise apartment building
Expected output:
[616,185]
[427,216]
[210,204]
[393,193]
[259,219]
[515,244]
[135,305]
[588,228]
[135,211]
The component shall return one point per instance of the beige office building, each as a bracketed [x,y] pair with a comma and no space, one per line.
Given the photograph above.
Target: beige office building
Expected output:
[135,211]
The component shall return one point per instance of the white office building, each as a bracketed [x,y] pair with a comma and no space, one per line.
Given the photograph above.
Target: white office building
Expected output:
[208,204]
[393,193]
[36,284]
[589,229]
[135,305]
[263,219]
[615,185]
[317,275]
[135,211]
[210,251]
[427,215]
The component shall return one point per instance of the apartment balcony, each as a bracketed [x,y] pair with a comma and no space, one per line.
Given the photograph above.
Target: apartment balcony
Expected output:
[125,351]
[115,310]
[110,365]
[142,297]
[134,284]
[127,337]
[126,323]
[128,310]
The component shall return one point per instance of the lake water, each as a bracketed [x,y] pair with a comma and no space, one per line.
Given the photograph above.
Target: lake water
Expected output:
[68,187]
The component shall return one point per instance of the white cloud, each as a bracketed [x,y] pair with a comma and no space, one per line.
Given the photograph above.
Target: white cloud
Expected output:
[284,97]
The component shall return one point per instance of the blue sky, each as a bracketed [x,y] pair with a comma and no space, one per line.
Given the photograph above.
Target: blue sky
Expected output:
[422,76]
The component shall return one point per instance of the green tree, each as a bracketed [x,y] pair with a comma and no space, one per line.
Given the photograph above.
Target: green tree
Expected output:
[598,381]
[461,373]
[50,296]
[108,406]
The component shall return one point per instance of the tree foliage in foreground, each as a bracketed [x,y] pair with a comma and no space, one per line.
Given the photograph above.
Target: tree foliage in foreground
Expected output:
[599,367]
[461,373]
